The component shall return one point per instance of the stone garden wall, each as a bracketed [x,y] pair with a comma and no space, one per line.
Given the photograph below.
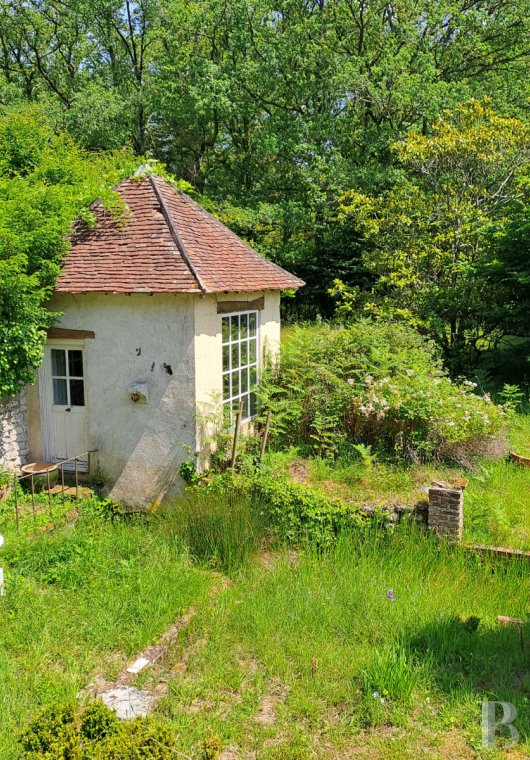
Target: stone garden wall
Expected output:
[14,443]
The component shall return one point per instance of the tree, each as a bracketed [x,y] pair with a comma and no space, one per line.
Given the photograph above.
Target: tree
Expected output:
[434,233]
[270,109]
[511,271]
[46,182]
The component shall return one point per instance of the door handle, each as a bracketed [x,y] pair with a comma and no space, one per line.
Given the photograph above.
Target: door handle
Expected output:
[67,409]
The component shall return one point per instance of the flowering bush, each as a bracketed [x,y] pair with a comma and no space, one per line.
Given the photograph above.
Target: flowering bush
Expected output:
[381,384]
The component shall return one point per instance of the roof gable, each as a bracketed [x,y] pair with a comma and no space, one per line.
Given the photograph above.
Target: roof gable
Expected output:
[166,243]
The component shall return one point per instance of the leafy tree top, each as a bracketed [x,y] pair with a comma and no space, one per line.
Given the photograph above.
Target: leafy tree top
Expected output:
[433,234]
[46,183]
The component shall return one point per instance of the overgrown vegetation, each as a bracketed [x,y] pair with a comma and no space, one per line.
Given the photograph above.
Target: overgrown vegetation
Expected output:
[435,232]
[272,110]
[377,384]
[303,653]
[63,731]
[46,182]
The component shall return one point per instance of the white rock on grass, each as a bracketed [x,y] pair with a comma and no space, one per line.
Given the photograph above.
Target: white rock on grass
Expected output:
[128,702]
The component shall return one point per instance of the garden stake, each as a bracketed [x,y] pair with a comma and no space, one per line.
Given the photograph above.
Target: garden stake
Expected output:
[16,499]
[236,436]
[265,436]
[49,494]
[33,496]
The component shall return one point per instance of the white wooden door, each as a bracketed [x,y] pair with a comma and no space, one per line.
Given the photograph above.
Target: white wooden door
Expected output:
[66,418]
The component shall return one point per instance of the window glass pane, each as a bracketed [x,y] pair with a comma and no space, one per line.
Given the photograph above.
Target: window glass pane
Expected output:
[244,380]
[245,413]
[252,351]
[243,326]
[235,356]
[240,348]
[77,392]
[226,329]
[226,386]
[75,363]
[253,404]
[58,362]
[234,328]
[60,393]
[244,353]
[226,358]
[235,383]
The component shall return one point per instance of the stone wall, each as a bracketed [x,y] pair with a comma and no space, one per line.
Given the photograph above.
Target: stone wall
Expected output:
[14,446]
[446,511]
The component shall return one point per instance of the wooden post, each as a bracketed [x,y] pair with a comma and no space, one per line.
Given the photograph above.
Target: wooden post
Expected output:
[236,436]
[62,481]
[49,493]
[16,499]
[33,496]
[265,436]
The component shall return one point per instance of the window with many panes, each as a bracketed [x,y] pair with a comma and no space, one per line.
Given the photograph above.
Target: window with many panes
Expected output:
[67,377]
[240,364]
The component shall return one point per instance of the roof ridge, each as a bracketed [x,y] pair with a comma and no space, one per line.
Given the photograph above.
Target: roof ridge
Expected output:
[174,233]
[240,240]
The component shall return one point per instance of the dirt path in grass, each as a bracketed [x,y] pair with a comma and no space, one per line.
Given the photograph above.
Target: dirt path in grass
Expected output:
[123,695]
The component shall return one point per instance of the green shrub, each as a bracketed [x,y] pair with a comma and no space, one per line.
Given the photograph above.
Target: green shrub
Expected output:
[52,735]
[62,733]
[379,384]
[98,722]
[302,514]
[291,512]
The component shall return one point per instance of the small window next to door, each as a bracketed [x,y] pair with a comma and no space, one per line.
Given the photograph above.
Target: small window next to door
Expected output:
[67,377]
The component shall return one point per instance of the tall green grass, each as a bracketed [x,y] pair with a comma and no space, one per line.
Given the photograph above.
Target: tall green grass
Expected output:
[81,602]
[323,626]
[220,530]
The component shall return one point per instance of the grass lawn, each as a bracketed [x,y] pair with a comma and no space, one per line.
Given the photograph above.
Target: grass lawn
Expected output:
[78,604]
[298,646]
[285,660]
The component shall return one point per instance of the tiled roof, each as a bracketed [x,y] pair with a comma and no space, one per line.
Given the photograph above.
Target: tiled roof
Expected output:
[165,243]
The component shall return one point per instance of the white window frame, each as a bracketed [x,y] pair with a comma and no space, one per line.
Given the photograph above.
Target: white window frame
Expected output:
[229,400]
[66,348]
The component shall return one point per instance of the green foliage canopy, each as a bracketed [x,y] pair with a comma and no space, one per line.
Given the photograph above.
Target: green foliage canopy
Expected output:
[435,232]
[46,182]
[271,109]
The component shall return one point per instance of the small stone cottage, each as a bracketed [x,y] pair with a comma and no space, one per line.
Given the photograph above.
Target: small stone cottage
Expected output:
[166,316]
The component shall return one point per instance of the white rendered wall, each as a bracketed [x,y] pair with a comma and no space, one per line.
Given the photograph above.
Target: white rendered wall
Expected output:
[141,446]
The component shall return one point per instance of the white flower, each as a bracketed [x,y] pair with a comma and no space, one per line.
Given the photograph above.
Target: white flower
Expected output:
[437,381]
[351,381]
[368,379]
[469,384]
[409,372]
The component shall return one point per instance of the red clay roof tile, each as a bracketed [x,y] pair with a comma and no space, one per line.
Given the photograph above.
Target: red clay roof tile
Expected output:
[166,243]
